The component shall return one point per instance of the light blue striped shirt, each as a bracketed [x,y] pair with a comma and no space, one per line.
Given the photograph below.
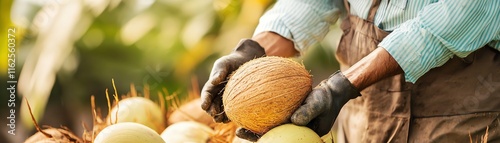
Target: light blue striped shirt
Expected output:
[425,33]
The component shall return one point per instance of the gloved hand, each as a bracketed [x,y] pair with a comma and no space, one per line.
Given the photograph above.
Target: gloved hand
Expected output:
[211,94]
[247,134]
[323,104]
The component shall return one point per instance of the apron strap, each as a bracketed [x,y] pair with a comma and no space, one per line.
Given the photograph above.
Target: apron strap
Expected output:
[373,10]
[347,7]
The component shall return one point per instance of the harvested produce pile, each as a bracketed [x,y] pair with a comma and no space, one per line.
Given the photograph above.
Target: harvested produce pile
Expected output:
[137,119]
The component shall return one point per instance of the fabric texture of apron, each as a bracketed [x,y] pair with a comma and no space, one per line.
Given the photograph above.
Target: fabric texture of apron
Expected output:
[458,99]
[456,102]
[382,113]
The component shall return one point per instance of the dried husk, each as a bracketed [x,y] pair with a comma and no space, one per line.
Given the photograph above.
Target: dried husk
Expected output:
[191,111]
[223,133]
[55,135]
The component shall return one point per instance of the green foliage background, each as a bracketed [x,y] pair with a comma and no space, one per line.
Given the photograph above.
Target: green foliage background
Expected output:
[169,45]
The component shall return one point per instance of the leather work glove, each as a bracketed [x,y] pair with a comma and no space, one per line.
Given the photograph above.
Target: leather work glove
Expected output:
[211,94]
[247,134]
[323,104]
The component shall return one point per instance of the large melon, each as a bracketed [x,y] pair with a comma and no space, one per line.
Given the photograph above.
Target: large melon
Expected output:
[139,110]
[263,93]
[290,133]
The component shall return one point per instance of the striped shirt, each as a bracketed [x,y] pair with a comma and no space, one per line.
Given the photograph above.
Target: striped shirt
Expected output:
[424,33]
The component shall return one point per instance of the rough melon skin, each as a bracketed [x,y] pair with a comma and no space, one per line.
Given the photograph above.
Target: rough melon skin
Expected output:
[263,93]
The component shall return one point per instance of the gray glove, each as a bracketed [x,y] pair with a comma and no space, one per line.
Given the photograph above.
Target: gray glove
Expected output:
[247,134]
[211,94]
[323,104]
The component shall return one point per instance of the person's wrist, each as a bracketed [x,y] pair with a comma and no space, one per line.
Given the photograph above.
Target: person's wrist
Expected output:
[275,44]
[368,70]
[340,83]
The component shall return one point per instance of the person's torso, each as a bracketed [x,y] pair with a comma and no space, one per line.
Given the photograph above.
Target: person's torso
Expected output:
[458,84]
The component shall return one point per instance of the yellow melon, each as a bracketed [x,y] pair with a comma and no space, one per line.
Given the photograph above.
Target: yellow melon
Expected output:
[263,93]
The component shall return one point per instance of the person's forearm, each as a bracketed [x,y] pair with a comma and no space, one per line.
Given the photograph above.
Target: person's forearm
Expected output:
[275,45]
[376,66]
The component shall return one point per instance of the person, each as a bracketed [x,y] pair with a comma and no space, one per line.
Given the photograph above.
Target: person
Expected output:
[411,70]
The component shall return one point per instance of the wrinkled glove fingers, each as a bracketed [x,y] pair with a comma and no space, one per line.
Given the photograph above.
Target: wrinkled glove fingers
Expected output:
[208,94]
[211,98]
[217,111]
[216,83]
[247,134]
[313,106]
[211,93]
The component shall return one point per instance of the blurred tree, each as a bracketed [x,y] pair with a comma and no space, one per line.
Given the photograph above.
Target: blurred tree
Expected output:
[81,45]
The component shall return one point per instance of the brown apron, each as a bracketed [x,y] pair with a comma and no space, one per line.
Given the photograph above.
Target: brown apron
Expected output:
[382,113]
[461,97]
[440,100]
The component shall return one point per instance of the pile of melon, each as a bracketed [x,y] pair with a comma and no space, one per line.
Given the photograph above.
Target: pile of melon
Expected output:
[136,119]
[260,96]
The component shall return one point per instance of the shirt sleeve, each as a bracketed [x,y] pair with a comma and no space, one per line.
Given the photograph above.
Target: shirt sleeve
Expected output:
[441,30]
[305,22]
